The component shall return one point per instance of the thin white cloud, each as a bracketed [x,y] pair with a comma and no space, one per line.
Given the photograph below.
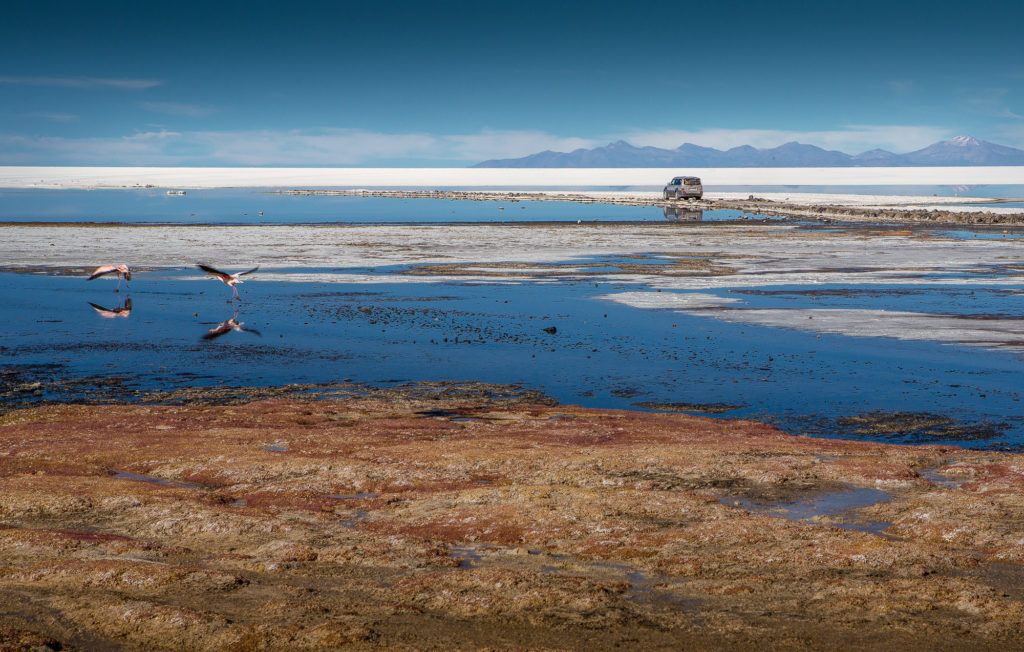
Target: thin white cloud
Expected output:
[326,147]
[283,147]
[178,109]
[321,147]
[81,82]
[489,144]
[1011,134]
[851,139]
[992,102]
[142,148]
[900,86]
[51,116]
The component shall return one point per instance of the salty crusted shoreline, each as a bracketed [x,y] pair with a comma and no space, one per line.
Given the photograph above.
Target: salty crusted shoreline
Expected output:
[405,519]
[889,212]
[687,266]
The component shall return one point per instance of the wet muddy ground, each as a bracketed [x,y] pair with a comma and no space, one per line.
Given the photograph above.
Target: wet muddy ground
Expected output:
[470,516]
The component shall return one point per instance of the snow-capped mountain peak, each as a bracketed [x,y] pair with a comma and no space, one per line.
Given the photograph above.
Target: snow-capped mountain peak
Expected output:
[965,141]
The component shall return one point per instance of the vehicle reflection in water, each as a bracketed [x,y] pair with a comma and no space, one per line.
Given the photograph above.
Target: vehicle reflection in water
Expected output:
[680,214]
[123,310]
[227,326]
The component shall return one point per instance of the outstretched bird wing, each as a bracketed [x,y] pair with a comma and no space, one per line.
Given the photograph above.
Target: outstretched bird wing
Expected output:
[248,272]
[216,272]
[102,270]
[218,330]
[100,310]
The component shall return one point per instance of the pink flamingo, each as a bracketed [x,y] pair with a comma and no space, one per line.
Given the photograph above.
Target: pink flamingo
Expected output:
[111,313]
[230,280]
[122,271]
[227,326]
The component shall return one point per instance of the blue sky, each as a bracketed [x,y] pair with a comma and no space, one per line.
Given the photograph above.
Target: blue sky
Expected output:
[404,83]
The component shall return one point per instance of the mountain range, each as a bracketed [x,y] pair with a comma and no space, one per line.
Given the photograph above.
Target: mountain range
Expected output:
[962,150]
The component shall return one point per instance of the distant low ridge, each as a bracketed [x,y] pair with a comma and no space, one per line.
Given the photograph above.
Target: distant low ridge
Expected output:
[962,150]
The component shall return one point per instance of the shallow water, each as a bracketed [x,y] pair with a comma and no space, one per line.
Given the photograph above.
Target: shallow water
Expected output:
[985,234]
[269,206]
[602,354]
[255,206]
[551,329]
[821,504]
[152,479]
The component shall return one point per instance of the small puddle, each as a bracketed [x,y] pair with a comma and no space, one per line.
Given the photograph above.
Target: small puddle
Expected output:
[357,517]
[933,476]
[151,479]
[362,495]
[467,556]
[643,588]
[815,506]
[561,417]
[451,415]
[276,448]
[658,590]
[441,414]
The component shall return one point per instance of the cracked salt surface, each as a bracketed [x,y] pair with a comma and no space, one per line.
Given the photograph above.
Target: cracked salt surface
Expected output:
[988,332]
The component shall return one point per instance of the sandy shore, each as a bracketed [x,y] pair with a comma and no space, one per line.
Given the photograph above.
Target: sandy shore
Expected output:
[438,517]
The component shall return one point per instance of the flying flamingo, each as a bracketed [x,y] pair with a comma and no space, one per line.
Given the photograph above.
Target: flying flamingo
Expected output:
[112,313]
[227,326]
[230,280]
[121,270]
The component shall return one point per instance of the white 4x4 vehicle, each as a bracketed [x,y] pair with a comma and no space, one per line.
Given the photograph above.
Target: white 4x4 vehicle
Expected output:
[683,188]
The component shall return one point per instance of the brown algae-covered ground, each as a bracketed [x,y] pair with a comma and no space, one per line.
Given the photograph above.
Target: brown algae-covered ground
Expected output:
[397,520]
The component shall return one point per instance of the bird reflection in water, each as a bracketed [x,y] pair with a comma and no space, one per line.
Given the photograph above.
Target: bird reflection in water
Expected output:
[679,214]
[124,310]
[227,326]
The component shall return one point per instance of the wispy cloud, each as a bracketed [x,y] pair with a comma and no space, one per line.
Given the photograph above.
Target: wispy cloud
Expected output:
[50,116]
[142,148]
[1011,133]
[900,86]
[81,82]
[281,147]
[992,102]
[359,147]
[178,109]
[509,144]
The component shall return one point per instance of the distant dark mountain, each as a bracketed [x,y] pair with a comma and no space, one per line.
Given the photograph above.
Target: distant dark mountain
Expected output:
[878,157]
[962,150]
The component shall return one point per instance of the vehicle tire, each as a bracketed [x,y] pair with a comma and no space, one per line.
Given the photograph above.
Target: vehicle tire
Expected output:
[678,195]
[699,197]
[664,194]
